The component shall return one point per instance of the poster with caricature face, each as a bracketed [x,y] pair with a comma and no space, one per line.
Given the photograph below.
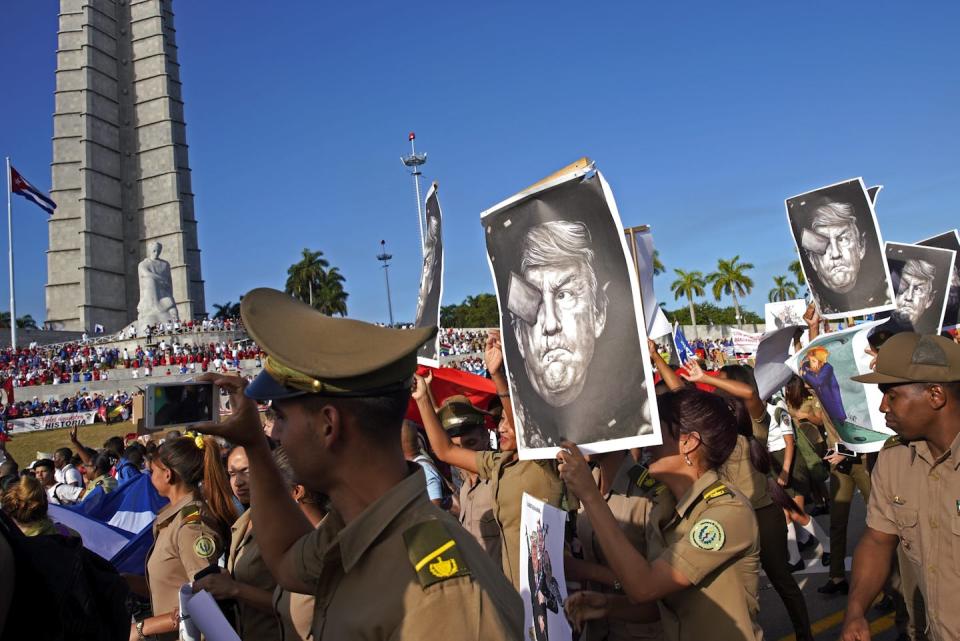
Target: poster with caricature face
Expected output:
[431,277]
[572,325]
[951,241]
[921,279]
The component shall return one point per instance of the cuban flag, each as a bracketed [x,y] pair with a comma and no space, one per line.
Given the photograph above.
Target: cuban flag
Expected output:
[116,525]
[684,351]
[20,186]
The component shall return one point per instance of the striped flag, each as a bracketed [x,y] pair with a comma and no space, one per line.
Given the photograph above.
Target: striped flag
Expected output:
[20,186]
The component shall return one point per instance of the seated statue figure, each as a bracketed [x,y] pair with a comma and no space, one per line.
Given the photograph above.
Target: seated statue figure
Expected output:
[156,289]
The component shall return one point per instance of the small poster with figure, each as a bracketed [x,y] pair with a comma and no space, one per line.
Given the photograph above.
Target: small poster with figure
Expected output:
[571,318]
[431,278]
[827,365]
[921,278]
[543,588]
[949,240]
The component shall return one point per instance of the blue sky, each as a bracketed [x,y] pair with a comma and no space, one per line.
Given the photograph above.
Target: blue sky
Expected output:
[703,116]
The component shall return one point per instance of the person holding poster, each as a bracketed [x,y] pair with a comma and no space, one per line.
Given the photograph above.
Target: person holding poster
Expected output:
[572,322]
[702,564]
[914,503]
[509,477]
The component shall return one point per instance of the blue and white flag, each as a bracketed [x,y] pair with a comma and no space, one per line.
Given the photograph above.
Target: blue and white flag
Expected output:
[20,186]
[684,351]
[116,525]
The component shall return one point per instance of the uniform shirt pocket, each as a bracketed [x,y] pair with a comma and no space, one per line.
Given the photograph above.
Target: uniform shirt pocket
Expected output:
[907,519]
[489,529]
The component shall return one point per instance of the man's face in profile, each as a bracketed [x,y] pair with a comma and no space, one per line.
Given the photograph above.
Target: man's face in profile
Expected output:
[558,347]
[839,265]
[914,297]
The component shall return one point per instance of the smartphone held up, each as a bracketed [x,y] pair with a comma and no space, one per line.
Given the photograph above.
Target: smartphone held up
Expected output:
[181,404]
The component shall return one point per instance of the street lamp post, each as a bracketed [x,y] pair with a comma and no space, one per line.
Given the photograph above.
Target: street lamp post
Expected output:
[383,257]
[413,161]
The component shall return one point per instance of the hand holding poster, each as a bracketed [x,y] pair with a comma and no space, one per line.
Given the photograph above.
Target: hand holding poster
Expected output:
[827,365]
[841,251]
[574,339]
[543,587]
[431,278]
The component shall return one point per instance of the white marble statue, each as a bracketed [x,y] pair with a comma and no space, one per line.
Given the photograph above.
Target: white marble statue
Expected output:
[156,290]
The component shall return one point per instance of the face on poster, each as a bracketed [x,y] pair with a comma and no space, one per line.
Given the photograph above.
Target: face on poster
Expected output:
[841,250]
[949,240]
[543,587]
[431,276]
[921,279]
[827,365]
[788,313]
[571,319]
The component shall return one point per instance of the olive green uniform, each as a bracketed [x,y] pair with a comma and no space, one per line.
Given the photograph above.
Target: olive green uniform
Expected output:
[509,479]
[916,497]
[710,537]
[477,513]
[185,541]
[247,566]
[404,569]
[294,612]
[630,502]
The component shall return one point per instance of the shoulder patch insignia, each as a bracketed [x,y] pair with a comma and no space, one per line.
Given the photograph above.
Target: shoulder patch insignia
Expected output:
[893,441]
[707,534]
[716,491]
[190,514]
[204,547]
[433,553]
[642,481]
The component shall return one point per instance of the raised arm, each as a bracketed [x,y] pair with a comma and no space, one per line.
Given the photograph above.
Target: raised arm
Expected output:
[440,442]
[493,359]
[82,451]
[669,376]
[277,519]
[734,388]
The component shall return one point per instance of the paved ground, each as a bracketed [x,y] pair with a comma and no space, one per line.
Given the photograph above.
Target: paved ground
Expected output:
[826,612]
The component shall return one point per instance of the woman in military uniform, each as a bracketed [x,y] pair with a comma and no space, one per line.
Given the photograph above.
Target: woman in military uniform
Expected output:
[628,490]
[702,539]
[508,475]
[246,579]
[189,533]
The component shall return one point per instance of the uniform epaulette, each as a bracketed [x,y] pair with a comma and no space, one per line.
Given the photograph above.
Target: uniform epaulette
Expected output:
[893,441]
[434,553]
[716,490]
[640,478]
[190,514]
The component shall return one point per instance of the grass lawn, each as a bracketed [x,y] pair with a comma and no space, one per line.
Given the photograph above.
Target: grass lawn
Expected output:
[24,447]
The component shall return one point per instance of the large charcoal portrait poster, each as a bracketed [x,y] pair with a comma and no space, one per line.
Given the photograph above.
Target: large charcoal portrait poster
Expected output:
[571,320]
[431,277]
[949,240]
[921,278]
[841,250]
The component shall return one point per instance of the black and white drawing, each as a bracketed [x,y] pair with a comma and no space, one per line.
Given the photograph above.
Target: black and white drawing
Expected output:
[841,250]
[572,323]
[921,278]
[431,276]
[949,240]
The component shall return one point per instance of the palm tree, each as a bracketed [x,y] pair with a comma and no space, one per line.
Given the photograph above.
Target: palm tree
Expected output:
[331,298]
[658,267]
[227,310]
[688,284]
[731,279]
[797,272]
[23,322]
[305,277]
[783,289]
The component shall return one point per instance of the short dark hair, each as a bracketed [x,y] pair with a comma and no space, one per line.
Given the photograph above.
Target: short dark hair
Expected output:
[373,414]
[65,453]
[114,444]
[44,462]
[692,410]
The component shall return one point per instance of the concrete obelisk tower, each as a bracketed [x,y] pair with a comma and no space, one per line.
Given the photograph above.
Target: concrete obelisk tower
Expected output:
[120,173]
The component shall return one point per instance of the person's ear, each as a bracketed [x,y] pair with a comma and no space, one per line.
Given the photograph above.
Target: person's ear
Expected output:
[936,396]
[328,425]
[299,492]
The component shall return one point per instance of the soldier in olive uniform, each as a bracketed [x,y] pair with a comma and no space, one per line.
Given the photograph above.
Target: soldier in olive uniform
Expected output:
[189,533]
[702,563]
[915,494]
[385,563]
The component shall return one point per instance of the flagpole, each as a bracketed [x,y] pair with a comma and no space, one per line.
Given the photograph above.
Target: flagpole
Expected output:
[13,305]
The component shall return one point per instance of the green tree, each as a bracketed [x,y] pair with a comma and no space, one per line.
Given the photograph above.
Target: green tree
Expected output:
[658,267]
[331,298]
[797,272]
[23,322]
[304,277]
[731,279]
[782,290]
[475,311]
[688,284]
[710,314]
[227,310]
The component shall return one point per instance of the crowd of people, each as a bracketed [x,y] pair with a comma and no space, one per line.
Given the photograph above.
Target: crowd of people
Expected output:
[108,407]
[456,342]
[294,518]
